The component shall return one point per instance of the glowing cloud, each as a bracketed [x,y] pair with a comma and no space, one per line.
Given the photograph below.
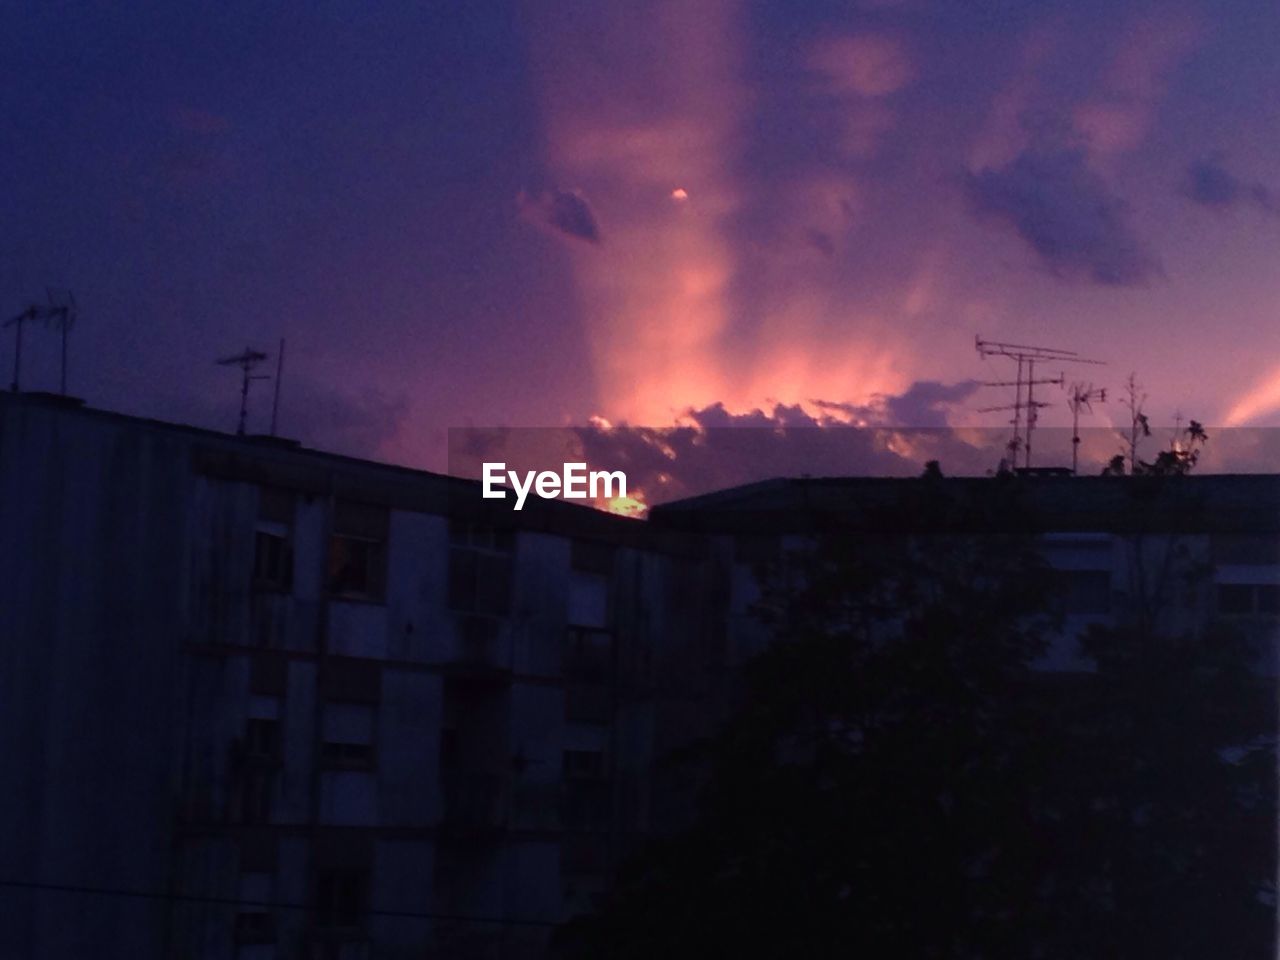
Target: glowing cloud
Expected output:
[655,296]
[1262,399]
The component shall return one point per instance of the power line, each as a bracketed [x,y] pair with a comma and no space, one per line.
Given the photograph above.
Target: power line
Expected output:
[262,904]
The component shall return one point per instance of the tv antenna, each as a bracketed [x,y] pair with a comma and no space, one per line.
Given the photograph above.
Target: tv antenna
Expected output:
[1082,397]
[1025,357]
[64,315]
[33,312]
[246,361]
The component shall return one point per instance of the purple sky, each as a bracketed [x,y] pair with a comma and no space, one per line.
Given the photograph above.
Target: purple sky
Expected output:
[481,214]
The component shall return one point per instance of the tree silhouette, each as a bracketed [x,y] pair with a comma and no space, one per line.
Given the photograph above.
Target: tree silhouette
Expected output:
[900,781]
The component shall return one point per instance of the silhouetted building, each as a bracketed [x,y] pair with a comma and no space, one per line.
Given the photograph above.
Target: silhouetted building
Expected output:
[261,701]
[1181,550]
[266,702]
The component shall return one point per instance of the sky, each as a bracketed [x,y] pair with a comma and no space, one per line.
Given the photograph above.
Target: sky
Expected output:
[491,214]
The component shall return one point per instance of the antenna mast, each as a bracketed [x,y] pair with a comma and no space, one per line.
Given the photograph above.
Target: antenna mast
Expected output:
[275,399]
[32,312]
[1082,397]
[1025,357]
[64,314]
[246,361]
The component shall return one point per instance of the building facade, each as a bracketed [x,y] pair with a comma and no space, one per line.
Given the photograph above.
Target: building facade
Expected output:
[265,702]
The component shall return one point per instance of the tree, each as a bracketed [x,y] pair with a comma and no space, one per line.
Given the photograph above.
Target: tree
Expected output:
[902,782]
[1183,454]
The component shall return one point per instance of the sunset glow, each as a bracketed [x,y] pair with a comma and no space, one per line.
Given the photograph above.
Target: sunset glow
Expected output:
[637,212]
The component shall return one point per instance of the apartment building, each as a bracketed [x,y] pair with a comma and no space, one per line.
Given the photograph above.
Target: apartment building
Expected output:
[266,702]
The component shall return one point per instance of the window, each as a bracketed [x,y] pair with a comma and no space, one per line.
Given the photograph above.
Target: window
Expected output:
[254,790]
[480,569]
[589,556]
[355,567]
[587,666]
[1245,549]
[340,899]
[587,655]
[254,926]
[273,540]
[464,533]
[254,921]
[588,704]
[587,800]
[1249,599]
[262,740]
[588,599]
[357,551]
[1267,598]
[347,737]
[272,561]
[253,785]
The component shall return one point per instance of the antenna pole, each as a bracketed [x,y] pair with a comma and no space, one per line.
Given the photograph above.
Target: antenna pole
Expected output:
[1075,436]
[32,312]
[1031,408]
[275,400]
[1082,396]
[1016,442]
[244,402]
[17,353]
[1025,358]
[246,362]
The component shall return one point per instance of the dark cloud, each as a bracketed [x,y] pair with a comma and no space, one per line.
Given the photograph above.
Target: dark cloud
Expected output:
[715,448]
[357,424]
[1210,184]
[924,404]
[565,211]
[1066,212]
[669,463]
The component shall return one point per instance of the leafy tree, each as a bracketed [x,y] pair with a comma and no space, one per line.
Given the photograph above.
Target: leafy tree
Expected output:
[900,781]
